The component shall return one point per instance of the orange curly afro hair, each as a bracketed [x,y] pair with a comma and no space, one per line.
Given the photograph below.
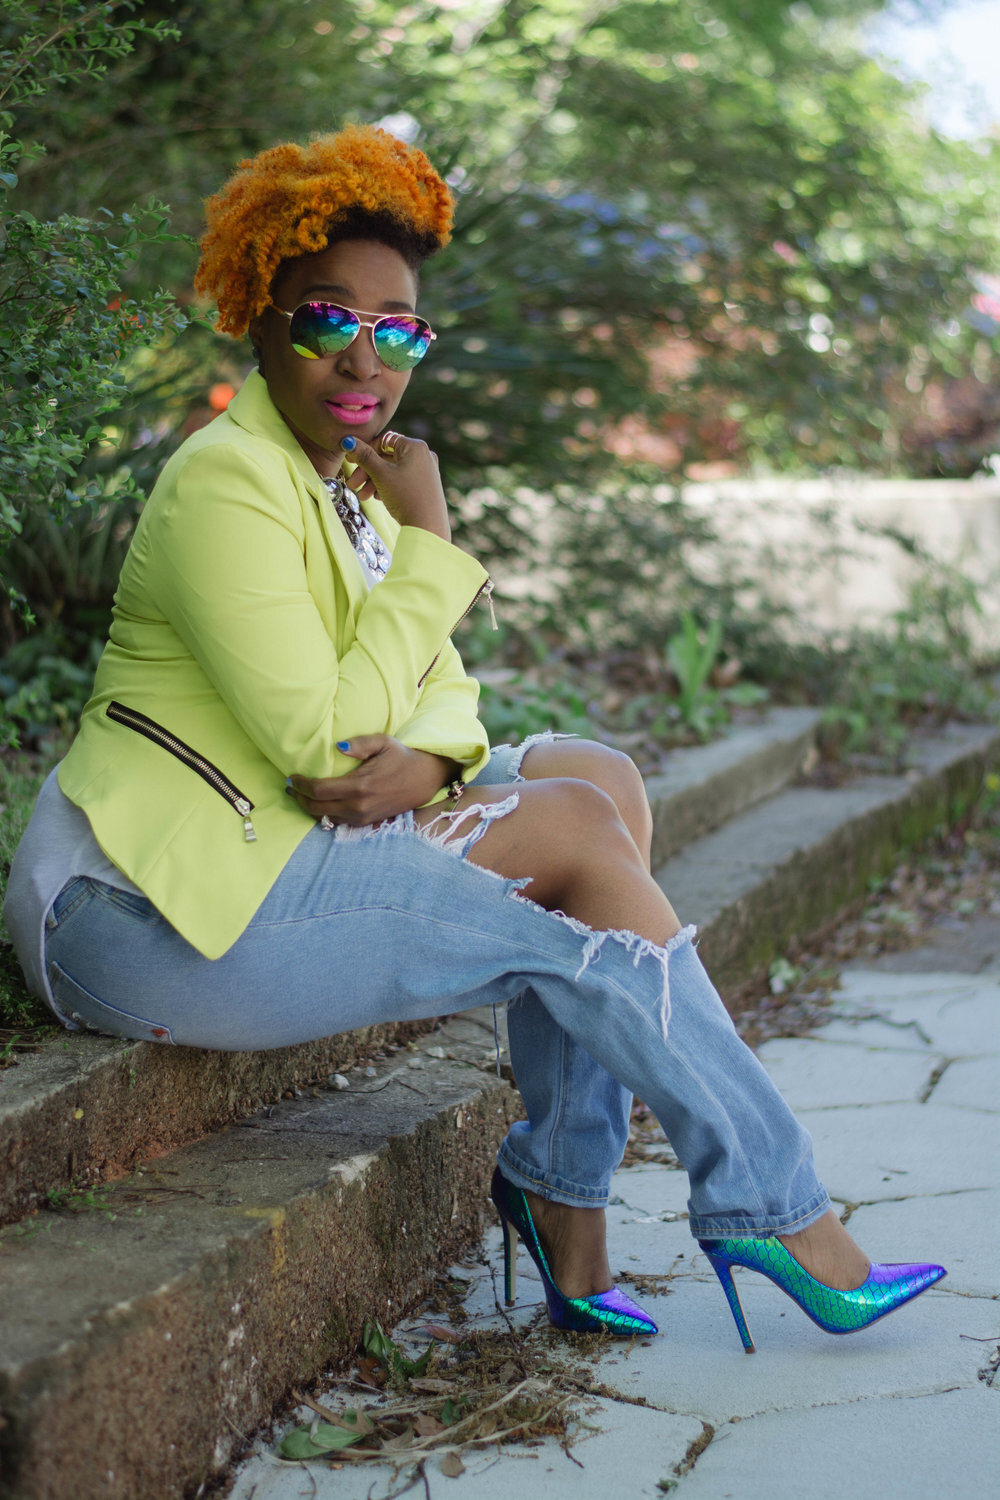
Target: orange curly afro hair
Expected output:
[292,200]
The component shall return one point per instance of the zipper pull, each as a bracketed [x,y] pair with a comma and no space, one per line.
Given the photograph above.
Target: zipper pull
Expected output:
[244,807]
[488,591]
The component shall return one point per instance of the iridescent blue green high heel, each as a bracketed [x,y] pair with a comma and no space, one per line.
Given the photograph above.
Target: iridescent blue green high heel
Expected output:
[885,1288]
[611,1311]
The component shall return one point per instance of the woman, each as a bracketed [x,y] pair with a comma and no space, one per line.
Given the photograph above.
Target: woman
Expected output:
[258,836]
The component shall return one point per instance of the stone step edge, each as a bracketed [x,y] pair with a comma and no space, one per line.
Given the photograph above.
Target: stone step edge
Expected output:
[816,881]
[85,1107]
[141,1361]
[704,786]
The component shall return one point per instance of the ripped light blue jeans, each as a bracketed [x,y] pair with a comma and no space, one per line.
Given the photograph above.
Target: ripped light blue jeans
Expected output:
[369,926]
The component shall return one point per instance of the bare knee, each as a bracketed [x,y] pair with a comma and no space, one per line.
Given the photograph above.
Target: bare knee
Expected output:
[609,770]
[567,837]
[562,828]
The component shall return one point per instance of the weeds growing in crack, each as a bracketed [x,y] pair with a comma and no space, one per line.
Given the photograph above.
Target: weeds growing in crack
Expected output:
[472,1388]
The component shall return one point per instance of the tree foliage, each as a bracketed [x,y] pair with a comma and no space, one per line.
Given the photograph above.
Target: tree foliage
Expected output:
[65,323]
[722,226]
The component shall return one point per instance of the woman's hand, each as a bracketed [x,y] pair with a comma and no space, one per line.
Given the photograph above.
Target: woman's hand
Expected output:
[407,481]
[391,779]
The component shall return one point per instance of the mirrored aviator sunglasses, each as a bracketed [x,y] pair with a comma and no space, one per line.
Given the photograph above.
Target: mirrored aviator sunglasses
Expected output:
[319,329]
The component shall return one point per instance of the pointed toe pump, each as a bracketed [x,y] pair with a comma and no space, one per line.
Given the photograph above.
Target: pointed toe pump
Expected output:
[885,1288]
[612,1310]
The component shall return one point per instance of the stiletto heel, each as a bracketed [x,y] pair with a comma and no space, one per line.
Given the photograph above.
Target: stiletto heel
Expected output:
[509,1262]
[612,1310]
[885,1288]
[725,1275]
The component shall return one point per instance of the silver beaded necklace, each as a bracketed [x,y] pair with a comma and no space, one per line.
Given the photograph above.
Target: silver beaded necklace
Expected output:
[364,538]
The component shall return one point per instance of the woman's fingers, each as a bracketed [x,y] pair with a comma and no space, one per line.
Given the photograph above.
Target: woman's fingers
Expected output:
[406,479]
[389,778]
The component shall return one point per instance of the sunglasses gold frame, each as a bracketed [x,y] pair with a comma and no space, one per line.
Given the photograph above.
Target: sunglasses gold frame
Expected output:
[368,320]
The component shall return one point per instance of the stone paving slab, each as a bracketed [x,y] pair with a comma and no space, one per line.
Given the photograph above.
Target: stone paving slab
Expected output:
[816,1074]
[697,1365]
[614,1444]
[888,1151]
[954,1013]
[960,1230]
[696,1369]
[925,1447]
[970,1083]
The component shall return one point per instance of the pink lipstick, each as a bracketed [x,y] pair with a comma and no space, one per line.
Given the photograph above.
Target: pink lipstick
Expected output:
[352,408]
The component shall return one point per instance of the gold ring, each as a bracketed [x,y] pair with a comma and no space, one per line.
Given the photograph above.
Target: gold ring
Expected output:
[389,442]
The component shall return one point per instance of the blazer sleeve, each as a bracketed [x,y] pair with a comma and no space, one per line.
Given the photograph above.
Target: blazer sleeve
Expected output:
[225,562]
[445,721]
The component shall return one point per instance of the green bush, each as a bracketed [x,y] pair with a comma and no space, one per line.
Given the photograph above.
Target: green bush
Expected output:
[66,320]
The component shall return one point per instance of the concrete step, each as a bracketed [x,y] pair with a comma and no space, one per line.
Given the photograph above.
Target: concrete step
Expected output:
[84,1109]
[786,867]
[704,786]
[139,1351]
[149,1327]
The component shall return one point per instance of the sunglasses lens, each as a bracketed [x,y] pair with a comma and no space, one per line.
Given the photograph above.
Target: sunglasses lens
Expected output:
[401,341]
[320,328]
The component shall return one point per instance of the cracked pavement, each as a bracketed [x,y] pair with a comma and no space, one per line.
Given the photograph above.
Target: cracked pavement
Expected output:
[900,1091]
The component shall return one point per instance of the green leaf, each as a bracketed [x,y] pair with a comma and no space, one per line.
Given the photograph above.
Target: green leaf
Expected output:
[453,1411]
[314,1439]
[379,1346]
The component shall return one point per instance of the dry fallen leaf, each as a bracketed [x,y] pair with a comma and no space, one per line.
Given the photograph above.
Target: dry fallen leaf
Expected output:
[350,1419]
[427,1425]
[452,1466]
[445,1335]
[391,1445]
[370,1372]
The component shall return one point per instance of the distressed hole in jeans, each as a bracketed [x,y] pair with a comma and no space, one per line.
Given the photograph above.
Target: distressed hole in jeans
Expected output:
[544,737]
[446,832]
[451,830]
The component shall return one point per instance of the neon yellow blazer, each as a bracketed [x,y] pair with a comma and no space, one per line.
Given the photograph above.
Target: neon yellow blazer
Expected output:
[244,632]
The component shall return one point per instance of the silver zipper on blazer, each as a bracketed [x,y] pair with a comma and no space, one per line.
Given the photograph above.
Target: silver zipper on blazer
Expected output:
[485,591]
[144,725]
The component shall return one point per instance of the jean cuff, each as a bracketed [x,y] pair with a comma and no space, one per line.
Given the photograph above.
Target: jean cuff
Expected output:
[555,1189]
[735,1226]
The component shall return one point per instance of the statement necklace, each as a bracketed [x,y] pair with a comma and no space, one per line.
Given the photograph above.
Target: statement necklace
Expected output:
[364,538]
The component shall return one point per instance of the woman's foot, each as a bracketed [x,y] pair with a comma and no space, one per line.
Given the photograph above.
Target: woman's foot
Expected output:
[575,1245]
[828,1253]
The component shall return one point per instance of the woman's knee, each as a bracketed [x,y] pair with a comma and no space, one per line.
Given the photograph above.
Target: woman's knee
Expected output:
[609,770]
[560,826]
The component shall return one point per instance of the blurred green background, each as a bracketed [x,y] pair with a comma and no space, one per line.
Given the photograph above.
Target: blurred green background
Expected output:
[692,239]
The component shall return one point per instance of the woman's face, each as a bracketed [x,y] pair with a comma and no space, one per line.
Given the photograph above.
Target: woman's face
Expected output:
[323,400]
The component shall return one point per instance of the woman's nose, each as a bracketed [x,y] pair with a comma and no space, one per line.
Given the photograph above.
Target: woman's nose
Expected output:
[359,358]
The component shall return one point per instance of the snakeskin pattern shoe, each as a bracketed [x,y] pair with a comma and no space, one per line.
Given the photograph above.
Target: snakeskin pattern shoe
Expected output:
[611,1310]
[885,1288]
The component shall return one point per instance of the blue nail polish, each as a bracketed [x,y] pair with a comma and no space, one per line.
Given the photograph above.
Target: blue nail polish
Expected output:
[348,443]
[344,745]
